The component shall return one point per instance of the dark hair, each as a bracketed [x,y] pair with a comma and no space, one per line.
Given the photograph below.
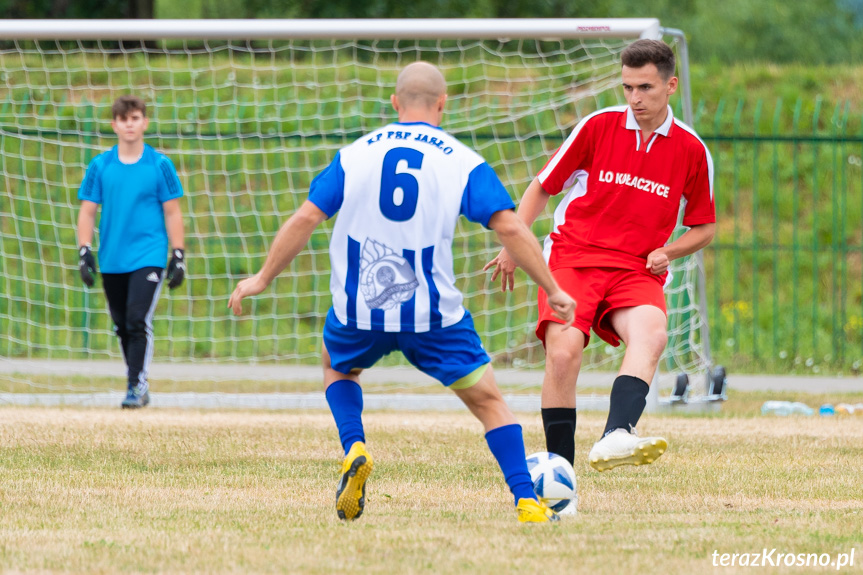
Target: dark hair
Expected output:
[643,52]
[125,104]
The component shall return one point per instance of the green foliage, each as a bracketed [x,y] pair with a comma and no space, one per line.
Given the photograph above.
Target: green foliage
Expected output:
[813,32]
[77,9]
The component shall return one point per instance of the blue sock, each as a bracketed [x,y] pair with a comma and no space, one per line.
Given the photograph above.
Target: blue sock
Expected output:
[346,402]
[507,446]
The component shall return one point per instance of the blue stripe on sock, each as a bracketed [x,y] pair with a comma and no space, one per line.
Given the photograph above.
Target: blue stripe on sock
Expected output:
[435,318]
[408,309]
[352,281]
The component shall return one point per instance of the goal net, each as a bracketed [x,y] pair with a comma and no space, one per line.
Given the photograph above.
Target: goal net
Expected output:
[250,112]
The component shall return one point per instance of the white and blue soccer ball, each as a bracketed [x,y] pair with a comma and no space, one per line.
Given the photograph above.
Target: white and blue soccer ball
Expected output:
[553,479]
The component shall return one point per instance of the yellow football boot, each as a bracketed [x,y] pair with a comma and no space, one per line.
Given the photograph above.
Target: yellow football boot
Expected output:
[351,493]
[533,511]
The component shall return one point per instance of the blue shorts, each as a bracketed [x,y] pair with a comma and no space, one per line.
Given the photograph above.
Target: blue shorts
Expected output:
[447,354]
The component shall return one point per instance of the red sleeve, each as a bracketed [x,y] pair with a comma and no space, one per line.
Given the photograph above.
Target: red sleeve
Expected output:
[575,154]
[699,208]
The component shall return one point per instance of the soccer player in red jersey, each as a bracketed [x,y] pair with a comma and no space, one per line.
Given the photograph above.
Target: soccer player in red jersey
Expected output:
[623,172]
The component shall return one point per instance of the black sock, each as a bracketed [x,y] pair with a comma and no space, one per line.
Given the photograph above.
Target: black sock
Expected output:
[559,425]
[628,398]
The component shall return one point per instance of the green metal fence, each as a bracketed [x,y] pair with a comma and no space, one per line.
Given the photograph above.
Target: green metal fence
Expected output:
[784,281]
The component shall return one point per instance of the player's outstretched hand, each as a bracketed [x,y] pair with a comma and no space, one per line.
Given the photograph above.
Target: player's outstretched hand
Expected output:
[562,307]
[248,287]
[176,268]
[657,262]
[87,265]
[504,266]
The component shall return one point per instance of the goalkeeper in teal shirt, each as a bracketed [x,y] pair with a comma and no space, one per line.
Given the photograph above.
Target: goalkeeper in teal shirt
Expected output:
[139,192]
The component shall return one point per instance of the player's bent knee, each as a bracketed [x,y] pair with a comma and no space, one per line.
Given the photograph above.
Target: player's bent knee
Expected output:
[659,339]
[487,404]
[662,339]
[563,357]
[655,338]
[650,343]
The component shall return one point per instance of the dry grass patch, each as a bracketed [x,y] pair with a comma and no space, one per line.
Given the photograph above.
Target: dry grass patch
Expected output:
[103,491]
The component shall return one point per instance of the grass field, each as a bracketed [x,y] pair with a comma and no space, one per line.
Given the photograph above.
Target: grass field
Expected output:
[103,491]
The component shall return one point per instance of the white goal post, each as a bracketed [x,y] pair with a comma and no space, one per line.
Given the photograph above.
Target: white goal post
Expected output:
[250,111]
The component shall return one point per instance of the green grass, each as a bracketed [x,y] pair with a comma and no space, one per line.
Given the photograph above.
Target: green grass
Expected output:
[101,491]
[30,383]
[739,403]
[783,288]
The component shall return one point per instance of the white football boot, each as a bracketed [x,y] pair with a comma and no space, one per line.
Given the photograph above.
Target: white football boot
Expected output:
[620,447]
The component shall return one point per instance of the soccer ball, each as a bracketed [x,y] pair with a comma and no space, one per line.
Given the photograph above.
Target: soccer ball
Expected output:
[553,479]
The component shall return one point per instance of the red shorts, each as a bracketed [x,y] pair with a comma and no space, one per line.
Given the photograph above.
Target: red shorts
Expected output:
[597,291]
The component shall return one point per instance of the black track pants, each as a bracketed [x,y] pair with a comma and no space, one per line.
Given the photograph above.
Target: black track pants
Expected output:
[132,301]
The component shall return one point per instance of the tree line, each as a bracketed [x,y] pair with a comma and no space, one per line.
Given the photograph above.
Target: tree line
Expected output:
[812,32]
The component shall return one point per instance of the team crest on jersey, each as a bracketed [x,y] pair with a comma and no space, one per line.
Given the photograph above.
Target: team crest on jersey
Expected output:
[386,279]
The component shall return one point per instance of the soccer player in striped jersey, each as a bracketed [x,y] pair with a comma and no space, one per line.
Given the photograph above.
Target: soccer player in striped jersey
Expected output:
[399,192]
[139,192]
[623,172]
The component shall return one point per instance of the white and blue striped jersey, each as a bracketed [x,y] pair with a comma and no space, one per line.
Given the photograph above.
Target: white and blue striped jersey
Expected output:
[399,192]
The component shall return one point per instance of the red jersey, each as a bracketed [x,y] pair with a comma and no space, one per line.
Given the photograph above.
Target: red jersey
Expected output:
[622,194]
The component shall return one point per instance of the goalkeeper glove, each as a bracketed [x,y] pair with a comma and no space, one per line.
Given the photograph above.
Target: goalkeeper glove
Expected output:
[87,265]
[176,268]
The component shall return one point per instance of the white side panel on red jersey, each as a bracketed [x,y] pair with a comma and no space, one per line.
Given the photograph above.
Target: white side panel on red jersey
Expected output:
[552,164]
[706,152]
[577,187]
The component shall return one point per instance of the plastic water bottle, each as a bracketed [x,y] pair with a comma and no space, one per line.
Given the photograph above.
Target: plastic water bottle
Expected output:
[844,409]
[801,409]
[826,410]
[784,408]
[777,408]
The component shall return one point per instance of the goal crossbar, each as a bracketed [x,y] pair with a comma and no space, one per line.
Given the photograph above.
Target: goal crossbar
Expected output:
[312,29]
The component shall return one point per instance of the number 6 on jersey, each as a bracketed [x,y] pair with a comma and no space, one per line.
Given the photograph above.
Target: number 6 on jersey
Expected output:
[393,181]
